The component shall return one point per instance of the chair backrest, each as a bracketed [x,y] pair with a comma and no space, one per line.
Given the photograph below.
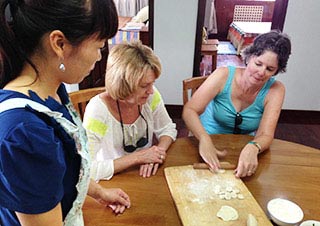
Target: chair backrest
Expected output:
[248,13]
[81,98]
[190,85]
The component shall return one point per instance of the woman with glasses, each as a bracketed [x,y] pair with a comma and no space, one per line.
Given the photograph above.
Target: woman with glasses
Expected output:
[122,121]
[241,101]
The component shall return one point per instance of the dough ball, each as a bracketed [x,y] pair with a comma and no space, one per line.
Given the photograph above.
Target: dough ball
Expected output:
[251,220]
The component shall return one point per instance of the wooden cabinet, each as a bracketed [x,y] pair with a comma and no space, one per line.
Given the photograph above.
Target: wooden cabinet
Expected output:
[224,14]
[97,75]
[144,36]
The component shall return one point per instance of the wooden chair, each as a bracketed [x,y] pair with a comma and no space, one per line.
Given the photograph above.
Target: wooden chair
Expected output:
[81,98]
[248,13]
[190,85]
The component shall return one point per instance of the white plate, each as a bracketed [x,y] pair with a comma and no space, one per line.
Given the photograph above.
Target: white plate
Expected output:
[284,212]
[310,223]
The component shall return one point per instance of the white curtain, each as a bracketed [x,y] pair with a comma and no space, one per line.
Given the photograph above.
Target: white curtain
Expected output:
[210,19]
[129,8]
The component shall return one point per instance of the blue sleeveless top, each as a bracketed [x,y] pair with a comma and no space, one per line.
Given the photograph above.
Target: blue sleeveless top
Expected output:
[219,115]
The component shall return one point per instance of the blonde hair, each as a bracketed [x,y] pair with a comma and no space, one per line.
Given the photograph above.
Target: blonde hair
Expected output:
[127,64]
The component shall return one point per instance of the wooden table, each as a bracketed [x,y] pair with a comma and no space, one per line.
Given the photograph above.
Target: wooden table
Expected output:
[287,170]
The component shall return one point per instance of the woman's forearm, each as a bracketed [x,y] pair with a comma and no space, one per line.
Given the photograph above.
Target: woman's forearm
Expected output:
[52,217]
[94,188]
[165,142]
[192,121]
[262,142]
[125,162]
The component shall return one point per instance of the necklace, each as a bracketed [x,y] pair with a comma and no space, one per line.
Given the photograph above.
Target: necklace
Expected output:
[141,142]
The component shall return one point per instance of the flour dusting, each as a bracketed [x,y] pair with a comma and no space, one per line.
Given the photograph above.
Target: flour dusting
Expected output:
[202,190]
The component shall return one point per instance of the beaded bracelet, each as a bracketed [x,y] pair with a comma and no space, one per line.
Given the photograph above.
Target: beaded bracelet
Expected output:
[256,144]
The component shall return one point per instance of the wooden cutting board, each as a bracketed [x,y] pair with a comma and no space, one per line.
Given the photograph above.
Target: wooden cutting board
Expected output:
[196,196]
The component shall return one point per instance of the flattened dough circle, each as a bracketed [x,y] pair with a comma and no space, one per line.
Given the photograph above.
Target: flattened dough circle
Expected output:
[227,213]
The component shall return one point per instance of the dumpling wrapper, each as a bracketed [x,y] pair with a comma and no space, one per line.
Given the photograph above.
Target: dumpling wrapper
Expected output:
[228,213]
[251,220]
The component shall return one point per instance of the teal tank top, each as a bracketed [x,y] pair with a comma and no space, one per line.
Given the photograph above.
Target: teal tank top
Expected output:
[219,115]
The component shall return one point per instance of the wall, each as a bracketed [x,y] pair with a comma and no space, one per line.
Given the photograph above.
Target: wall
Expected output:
[302,79]
[174,39]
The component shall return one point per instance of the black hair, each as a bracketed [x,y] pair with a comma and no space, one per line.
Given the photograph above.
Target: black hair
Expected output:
[274,41]
[24,22]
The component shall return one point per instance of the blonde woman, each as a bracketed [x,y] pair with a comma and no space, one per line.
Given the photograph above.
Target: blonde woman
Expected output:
[122,121]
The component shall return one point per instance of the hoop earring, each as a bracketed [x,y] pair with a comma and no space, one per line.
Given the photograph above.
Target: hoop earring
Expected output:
[62,67]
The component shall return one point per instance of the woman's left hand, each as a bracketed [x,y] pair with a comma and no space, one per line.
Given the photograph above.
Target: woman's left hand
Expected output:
[248,162]
[115,198]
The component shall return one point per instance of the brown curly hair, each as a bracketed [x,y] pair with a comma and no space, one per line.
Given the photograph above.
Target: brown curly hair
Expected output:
[274,41]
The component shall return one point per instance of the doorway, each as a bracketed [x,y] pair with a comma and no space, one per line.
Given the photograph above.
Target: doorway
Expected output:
[274,11]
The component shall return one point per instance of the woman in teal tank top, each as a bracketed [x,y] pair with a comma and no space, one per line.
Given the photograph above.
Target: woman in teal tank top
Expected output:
[241,101]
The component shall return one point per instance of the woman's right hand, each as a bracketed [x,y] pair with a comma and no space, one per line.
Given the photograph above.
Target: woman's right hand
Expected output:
[116,199]
[150,159]
[210,153]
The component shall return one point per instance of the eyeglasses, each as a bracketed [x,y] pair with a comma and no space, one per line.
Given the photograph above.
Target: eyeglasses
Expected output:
[237,122]
[141,142]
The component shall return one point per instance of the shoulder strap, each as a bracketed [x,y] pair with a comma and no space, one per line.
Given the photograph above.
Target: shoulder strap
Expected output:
[231,71]
[15,103]
[22,103]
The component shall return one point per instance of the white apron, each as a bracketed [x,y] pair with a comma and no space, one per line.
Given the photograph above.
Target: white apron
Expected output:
[77,132]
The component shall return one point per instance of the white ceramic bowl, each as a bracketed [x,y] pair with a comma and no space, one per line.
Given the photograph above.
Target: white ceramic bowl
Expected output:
[284,212]
[310,223]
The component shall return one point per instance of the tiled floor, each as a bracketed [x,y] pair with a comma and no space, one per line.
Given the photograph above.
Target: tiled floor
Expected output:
[225,60]
[222,60]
